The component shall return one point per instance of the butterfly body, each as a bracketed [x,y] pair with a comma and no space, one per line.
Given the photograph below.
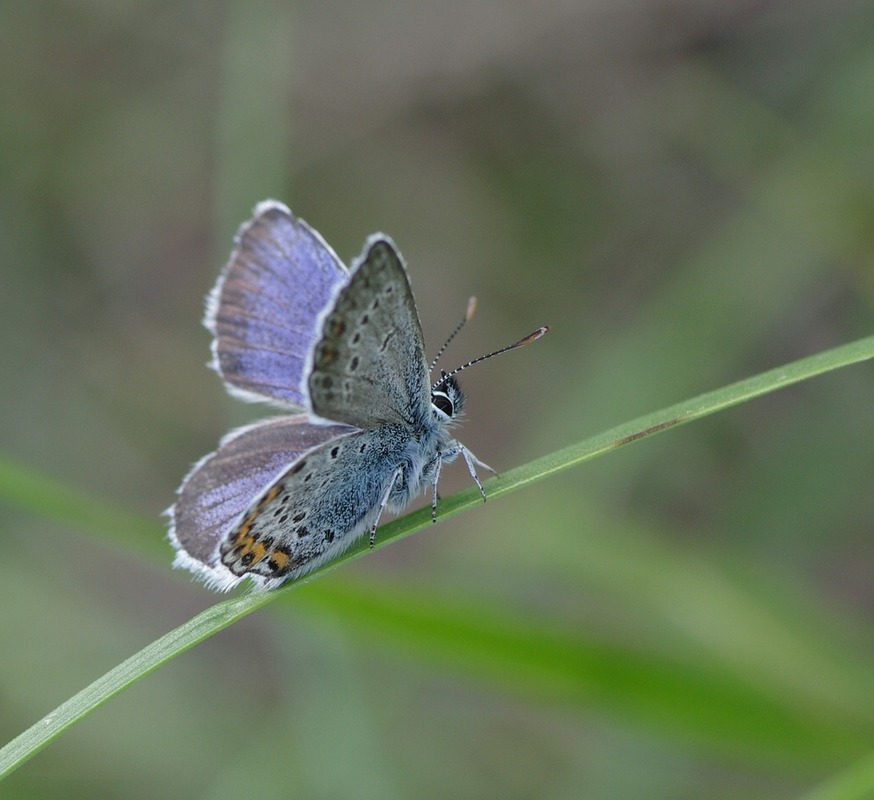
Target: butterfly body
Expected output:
[343,350]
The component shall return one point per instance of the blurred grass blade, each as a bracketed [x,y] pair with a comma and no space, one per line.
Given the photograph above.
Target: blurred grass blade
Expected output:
[552,663]
[49,498]
[253,128]
[854,783]
[708,706]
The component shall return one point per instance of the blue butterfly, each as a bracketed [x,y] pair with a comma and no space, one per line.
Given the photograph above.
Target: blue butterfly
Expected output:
[343,350]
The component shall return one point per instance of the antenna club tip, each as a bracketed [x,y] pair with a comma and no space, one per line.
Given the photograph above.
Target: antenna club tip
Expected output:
[533,336]
[471,308]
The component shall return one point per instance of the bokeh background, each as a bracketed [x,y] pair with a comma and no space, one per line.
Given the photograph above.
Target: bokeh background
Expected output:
[683,191]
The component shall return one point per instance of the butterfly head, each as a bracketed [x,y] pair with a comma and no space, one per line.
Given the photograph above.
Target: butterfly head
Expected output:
[447,398]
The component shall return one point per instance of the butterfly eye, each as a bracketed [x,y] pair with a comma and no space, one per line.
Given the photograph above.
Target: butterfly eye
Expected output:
[442,402]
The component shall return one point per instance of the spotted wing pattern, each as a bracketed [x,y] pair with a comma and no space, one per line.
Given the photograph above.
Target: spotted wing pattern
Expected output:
[368,368]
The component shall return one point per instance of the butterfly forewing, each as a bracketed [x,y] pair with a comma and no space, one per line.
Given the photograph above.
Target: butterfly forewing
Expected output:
[368,366]
[261,312]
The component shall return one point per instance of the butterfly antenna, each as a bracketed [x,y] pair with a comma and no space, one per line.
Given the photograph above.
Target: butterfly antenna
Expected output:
[471,307]
[531,337]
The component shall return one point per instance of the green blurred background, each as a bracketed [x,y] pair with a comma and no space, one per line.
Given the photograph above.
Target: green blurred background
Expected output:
[683,191]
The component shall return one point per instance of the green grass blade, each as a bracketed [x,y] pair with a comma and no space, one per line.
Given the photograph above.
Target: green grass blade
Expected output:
[177,641]
[688,411]
[553,662]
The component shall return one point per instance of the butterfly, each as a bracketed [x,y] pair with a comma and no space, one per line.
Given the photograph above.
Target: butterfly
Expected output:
[341,350]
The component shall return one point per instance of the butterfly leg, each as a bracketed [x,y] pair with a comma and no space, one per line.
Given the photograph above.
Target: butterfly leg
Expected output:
[472,463]
[391,484]
[438,463]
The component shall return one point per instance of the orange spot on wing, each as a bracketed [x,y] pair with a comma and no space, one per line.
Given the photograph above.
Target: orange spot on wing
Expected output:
[241,535]
[280,559]
[270,496]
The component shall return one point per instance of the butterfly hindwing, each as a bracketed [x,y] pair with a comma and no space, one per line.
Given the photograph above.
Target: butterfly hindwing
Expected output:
[315,509]
[262,311]
[367,366]
[221,487]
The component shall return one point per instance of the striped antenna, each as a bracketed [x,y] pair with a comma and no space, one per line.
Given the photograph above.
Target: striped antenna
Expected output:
[531,337]
[471,307]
